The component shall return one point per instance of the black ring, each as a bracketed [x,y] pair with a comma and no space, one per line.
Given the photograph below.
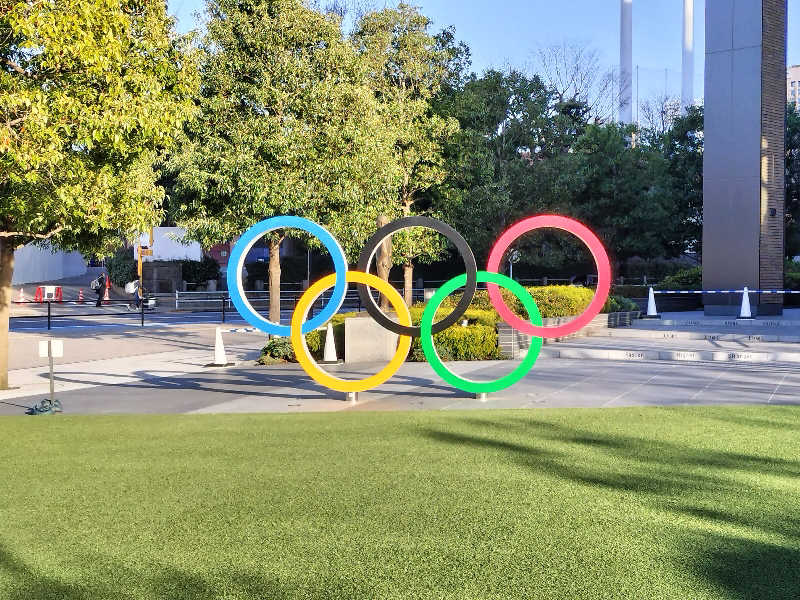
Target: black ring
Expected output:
[451,234]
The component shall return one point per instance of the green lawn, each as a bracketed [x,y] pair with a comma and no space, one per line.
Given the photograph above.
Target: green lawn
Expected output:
[638,503]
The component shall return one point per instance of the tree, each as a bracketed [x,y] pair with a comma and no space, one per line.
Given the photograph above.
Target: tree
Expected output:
[408,67]
[287,125]
[503,163]
[574,74]
[623,193]
[91,91]
[792,181]
[682,147]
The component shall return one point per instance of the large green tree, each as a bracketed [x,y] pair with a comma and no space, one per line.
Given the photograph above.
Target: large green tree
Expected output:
[682,147]
[502,164]
[286,126]
[622,192]
[90,92]
[792,180]
[408,67]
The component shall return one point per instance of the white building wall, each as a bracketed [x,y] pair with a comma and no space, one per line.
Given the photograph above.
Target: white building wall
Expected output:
[167,245]
[34,264]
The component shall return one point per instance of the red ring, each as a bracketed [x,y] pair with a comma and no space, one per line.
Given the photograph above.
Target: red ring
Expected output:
[584,234]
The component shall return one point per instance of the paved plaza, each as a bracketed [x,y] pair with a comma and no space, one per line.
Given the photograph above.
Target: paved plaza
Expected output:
[163,370]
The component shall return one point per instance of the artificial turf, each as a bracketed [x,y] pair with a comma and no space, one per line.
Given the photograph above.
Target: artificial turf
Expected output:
[568,504]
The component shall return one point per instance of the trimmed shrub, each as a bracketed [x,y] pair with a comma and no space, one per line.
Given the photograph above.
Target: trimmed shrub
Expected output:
[619,304]
[122,267]
[277,350]
[688,279]
[475,342]
[200,271]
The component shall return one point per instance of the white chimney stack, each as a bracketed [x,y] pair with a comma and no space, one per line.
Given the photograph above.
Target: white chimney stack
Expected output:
[626,62]
[687,89]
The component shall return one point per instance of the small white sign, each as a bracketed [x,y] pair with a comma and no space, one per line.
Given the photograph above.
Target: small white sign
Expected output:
[57,348]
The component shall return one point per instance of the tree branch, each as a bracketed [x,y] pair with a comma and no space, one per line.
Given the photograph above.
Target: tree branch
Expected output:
[16,121]
[35,236]
[17,68]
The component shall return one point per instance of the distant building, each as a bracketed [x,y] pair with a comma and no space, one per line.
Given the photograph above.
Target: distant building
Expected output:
[793,85]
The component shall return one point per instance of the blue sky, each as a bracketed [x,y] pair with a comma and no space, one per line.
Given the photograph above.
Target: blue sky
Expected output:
[508,32]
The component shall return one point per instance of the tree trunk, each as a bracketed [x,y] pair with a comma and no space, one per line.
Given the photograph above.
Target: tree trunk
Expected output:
[275,279]
[408,281]
[6,271]
[383,261]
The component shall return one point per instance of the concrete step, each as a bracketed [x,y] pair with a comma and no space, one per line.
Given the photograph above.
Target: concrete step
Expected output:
[672,350]
[760,323]
[710,335]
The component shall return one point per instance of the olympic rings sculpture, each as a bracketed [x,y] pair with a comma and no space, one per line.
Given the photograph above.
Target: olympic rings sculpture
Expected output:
[403,328]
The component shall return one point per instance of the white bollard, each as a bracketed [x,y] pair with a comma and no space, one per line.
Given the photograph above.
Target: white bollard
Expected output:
[652,313]
[330,347]
[745,312]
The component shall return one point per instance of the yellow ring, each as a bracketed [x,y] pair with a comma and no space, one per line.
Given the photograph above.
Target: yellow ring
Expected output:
[304,356]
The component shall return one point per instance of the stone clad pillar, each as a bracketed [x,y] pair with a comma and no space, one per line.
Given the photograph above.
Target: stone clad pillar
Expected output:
[745,105]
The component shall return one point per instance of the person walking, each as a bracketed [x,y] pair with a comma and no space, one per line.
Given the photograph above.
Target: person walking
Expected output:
[99,286]
[132,288]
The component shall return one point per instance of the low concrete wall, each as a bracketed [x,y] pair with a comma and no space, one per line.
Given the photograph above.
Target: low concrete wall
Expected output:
[366,341]
[514,344]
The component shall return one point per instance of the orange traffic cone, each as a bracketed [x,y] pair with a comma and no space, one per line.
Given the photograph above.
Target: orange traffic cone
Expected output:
[107,298]
[21,297]
[80,296]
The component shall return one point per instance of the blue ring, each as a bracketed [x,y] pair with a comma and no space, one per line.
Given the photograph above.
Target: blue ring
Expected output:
[248,240]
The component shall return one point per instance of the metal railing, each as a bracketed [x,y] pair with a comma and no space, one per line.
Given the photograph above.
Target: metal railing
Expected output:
[147,304]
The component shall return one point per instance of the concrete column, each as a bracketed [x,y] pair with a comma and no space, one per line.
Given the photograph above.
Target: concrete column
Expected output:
[687,89]
[626,62]
[745,97]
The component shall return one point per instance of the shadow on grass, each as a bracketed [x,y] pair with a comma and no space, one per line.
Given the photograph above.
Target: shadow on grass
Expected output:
[26,583]
[674,478]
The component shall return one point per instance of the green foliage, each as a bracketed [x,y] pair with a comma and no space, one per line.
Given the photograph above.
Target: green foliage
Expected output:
[688,279]
[92,92]
[408,67]
[474,342]
[553,300]
[288,124]
[682,147]
[122,267]
[619,304]
[277,350]
[792,180]
[791,276]
[200,271]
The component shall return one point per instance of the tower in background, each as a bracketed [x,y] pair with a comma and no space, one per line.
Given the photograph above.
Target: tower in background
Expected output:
[687,87]
[743,195]
[626,62]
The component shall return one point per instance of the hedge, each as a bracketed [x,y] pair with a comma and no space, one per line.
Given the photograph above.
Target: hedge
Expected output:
[688,279]
[552,300]
[478,340]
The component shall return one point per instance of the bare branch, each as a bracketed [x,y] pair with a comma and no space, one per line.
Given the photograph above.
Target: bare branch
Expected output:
[14,66]
[35,236]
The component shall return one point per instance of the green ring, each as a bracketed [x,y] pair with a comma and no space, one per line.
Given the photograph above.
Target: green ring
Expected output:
[467,385]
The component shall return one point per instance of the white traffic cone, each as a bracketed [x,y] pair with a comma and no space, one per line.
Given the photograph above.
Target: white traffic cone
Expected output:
[652,313]
[745,312]
[220,357]
[330,347]
[21,298]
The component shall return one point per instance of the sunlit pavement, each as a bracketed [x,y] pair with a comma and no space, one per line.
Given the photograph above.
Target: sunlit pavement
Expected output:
[552,383]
